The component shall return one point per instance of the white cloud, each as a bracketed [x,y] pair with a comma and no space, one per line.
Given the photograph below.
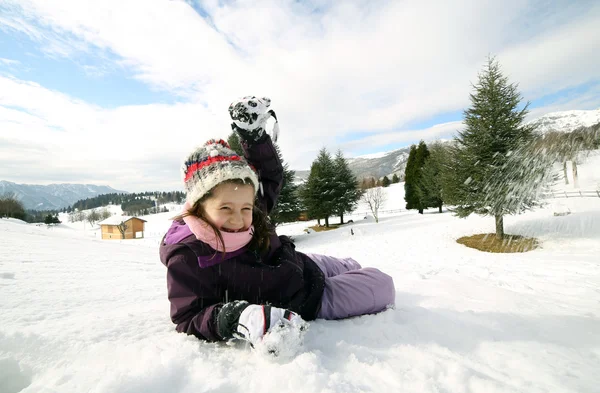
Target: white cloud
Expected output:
[331,68]
[587,100]
[566,56]
[9,62]
[430,134]
[46,133]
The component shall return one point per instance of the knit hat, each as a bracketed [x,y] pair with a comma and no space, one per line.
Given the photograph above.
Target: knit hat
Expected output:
[211,164]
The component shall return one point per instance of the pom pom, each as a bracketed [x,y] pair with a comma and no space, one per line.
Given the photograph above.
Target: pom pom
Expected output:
[218,142]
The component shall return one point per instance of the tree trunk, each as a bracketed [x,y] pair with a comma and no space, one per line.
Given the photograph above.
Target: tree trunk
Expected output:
[440,207]
[420,211]
[499,227]
[318,221]
[565,172]
[341,217]
[575,177]
[326,222]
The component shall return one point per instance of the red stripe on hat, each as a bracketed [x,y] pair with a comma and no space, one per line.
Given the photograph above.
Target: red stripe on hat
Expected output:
[211,160]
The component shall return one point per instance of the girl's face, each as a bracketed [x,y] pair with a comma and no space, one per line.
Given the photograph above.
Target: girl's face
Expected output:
[230,206]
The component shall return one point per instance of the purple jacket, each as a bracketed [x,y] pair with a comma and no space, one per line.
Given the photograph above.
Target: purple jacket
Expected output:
[200,282]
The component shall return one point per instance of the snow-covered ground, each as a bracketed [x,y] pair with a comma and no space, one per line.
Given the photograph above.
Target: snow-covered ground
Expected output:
[78,314]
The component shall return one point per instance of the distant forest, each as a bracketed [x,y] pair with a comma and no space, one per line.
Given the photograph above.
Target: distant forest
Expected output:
[131,204]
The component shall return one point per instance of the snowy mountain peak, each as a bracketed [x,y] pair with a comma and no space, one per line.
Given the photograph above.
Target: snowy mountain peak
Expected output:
[566,121]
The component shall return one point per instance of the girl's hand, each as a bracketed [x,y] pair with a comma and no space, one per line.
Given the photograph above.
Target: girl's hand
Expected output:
[250,115]
[257,320]
[250,322]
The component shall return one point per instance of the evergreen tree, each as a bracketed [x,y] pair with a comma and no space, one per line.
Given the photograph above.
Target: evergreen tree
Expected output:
[413,192]
[431,176]
[385,182]
[318,192]
[486,178]
[50,219]
[409,182]
[395,179]
[420,158]
[234,142]
[347,192]
[287,208]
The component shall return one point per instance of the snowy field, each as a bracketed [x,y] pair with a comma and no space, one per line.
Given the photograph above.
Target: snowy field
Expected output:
[79,314]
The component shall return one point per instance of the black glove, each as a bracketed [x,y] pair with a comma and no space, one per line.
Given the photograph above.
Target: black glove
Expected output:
[250,115]
[228,317]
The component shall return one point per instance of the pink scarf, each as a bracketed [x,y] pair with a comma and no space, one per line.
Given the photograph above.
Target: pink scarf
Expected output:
[204,233]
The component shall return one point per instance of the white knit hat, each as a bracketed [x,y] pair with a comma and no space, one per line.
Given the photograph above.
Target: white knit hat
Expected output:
[211,164]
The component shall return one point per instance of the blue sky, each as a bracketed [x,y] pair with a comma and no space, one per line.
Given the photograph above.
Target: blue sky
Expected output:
[117,92]
[85,76]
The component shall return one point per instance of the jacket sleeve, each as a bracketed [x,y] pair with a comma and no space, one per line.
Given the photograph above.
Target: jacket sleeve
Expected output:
[193,297]
[265,159]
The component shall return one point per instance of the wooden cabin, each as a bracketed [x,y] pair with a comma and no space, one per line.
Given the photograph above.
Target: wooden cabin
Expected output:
[122,227]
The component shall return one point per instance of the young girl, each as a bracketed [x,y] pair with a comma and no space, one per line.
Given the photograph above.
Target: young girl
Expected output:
[228,273]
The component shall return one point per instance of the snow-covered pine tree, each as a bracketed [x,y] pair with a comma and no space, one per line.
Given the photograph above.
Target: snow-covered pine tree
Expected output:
[318,192]
[486,175]
[347,191]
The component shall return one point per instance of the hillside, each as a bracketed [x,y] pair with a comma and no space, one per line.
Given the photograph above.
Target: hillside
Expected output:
[53,196]
[566,121]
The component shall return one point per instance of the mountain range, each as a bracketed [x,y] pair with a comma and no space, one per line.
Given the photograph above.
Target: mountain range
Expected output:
[58,196]
[53,196]
[566,121]
[394,162]
[373,165]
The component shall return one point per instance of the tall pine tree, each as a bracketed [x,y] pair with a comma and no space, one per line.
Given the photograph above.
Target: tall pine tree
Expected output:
[414,194]
[347,190]
[431,176]
[485,177]
[409,182]
[318,194]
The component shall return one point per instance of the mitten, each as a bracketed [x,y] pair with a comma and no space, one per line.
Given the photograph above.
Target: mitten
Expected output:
[254,321]
[250,115]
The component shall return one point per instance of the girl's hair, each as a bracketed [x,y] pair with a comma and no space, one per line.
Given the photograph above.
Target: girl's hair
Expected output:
[262,227]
